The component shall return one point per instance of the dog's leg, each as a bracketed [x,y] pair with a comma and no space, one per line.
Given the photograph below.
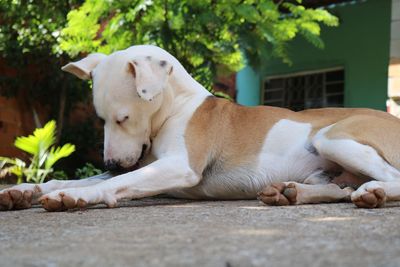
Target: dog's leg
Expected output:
[293,193]
[22,196]
[361,159]
[158,177]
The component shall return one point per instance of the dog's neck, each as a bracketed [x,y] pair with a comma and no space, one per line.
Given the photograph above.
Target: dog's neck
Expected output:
[179,94]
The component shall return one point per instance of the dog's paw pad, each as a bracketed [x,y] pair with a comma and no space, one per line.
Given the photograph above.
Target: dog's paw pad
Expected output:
[375,198]
[71,203]
[68,201]
[15,199]
[290,192]
[50,204]
[81,203]
[5,201]
[278,194]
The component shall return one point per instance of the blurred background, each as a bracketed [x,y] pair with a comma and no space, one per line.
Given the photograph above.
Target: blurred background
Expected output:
[294,54]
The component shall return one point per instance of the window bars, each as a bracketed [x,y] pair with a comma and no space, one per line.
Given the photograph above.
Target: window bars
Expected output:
[302,91]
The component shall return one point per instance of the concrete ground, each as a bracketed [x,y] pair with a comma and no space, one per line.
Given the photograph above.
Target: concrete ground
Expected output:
[169,232]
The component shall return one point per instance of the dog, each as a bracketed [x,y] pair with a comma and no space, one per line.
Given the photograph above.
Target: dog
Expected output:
[173,137]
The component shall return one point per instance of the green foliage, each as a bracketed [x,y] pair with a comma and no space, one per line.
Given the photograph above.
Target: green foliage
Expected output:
[40,146]
[87,170]
[58,175]
[12,166]
[202,34]
[32,25]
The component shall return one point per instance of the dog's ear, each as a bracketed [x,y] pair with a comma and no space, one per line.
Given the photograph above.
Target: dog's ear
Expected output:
[83,67]
[150,75]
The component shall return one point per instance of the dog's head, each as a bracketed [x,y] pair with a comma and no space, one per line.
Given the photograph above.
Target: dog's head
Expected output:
[126,94]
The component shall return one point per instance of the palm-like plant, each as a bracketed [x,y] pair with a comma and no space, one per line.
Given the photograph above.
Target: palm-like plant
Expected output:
[40,145]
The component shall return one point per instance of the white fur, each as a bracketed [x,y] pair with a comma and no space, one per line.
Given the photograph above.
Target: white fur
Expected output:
[285,155]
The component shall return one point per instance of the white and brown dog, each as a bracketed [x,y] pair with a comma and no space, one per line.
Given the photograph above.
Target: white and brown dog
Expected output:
[193,145]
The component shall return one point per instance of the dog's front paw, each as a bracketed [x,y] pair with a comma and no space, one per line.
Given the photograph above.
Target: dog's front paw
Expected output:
[278,194]
[74,198]
[18,197]
[61,200]
[369,195]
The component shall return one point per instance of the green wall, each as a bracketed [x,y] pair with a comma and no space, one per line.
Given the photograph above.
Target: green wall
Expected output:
[360,44]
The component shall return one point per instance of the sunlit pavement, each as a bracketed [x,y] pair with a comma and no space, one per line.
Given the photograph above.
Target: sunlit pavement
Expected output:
[170,232]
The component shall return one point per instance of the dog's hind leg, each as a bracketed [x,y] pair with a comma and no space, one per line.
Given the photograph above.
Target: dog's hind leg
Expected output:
[293,193]
[22,196]
[362,160]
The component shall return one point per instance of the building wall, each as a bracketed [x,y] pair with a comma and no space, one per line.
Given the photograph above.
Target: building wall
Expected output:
[393,102]
[10,125]
[395,30]
[15,118]
[360,44]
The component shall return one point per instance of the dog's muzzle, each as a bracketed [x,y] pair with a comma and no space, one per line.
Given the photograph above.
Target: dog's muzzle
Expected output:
[115,165]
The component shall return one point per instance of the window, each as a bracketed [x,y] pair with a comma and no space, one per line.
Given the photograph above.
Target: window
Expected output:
[302,91]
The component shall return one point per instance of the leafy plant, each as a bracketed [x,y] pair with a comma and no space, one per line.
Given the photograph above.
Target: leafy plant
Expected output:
[87,170]
[40,145]
[12,166]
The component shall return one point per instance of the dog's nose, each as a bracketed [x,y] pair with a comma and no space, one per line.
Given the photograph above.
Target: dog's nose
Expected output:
[112,165]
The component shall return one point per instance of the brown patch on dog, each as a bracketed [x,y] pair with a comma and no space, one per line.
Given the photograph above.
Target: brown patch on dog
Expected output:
[233,134]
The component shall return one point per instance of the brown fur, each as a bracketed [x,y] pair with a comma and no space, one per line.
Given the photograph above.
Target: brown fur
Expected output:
[235,134]
[229,132]
[381,133]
